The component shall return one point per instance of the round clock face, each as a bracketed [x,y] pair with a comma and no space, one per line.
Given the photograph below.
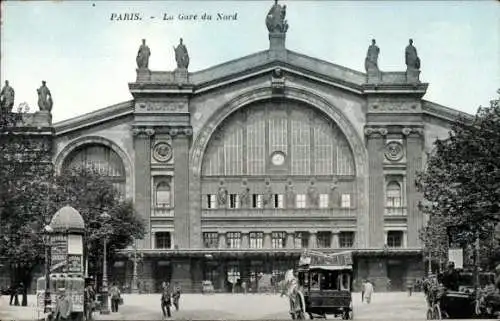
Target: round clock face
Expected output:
[278,159]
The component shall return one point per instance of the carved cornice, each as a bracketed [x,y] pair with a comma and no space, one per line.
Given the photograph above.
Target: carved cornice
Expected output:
[413,132]
[173,131]
[376,131]
[143,131]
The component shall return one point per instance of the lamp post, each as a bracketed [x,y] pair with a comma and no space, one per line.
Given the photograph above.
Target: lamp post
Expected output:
[47,300]
[135,259]
[104,292]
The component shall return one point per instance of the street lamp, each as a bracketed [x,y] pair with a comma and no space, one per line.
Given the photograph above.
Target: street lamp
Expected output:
[47,300]
[136,258]
[105,306]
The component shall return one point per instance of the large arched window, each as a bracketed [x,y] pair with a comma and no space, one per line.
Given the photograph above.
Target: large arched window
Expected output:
[102,159]
[275,137]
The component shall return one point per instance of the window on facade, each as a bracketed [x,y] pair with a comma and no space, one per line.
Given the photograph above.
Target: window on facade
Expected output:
[301,240]
[346,239]
[300,201]
[211,239]
[233,272]
[233,240]
[256,240]
[163,195]
[278,240]
[395,238]
[256,142]
[257,200]
[323,200]
[324,239]
[278,201]
[211,201]
[163,240]
[234,201]
[346,201]
[301,145]
[393,195]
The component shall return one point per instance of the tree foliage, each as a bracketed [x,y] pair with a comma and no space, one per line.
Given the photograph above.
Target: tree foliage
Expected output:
[461,184]
[30,194]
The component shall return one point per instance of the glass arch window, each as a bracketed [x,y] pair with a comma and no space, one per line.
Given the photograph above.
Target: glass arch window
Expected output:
[102,159]
[311,144]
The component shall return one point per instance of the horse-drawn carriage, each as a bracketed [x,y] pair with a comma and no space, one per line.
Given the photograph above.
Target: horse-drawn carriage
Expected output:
[323,286]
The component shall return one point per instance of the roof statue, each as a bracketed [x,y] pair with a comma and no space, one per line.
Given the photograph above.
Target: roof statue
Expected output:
[143,56]
[6,98]
[181,56]
[371,60]
[44,98]
[275,20]
[411,57]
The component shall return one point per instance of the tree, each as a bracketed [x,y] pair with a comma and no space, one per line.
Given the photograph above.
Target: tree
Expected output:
[461,184]
[30,194]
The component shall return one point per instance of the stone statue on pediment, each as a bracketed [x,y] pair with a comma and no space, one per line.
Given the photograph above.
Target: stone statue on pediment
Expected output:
[245,197]
[290,195]
[371,60]
[268,195]
[181,56]
[7,98]
[334,194]
[411,57]
[44,98]
[143,54]
[275,19]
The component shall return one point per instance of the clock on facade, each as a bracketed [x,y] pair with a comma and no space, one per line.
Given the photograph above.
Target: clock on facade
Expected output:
[278,158]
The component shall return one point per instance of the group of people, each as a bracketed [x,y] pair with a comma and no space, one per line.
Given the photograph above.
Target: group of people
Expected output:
[14,292]
[169,296]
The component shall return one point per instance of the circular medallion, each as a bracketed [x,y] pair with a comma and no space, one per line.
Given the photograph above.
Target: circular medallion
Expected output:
[394,151]
[278,158]
[162,152]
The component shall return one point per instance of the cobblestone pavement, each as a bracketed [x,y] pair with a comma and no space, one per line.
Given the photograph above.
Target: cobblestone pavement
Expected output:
[384,306]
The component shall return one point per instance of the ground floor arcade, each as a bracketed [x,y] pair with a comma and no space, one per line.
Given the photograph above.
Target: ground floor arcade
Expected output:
[388,270]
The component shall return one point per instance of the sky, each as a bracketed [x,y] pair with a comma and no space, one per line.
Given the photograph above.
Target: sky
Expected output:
[88,59]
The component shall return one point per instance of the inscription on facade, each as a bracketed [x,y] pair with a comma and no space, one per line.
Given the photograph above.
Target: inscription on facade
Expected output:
[162,107]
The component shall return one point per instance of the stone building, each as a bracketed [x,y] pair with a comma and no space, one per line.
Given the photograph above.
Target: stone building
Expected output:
[237,168]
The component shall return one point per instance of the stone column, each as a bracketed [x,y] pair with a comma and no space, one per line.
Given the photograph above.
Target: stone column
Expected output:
[267,240]
[375,143]
[222,240]
[334,243]
[290,240]
[142,148]
[414,145]
[313,243]
[245,240]
[180,144]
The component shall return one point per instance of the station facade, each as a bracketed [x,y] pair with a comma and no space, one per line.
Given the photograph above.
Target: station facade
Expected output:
[236,169]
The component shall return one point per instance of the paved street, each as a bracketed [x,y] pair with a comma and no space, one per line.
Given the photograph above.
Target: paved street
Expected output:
[385,306]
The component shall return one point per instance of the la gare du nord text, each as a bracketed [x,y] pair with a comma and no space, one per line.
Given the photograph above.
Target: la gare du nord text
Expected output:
[132,16]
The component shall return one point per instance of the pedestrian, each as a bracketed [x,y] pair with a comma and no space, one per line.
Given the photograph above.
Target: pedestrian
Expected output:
[363,285]
[115,297]
[166,300]
[368,291]
[64,305]
[176,296]
[13,295]
[89,299]
[244,287]
[409,286]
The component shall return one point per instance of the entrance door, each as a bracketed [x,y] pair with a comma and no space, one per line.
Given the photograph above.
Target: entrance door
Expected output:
[162,273]
[395,273]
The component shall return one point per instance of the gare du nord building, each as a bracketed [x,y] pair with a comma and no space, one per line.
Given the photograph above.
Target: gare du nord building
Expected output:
[236,169]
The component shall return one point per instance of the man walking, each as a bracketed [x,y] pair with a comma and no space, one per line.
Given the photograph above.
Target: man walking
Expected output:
[166,300]
[176,296]
[115,298]
[368,291]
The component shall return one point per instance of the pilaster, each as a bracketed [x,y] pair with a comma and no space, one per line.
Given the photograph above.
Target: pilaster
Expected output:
[267,240]
[180,142]
[142,148]
[290,240]
[375,144]
[313,242]
[222,240]
[335,240]
[245,240]
[414,145]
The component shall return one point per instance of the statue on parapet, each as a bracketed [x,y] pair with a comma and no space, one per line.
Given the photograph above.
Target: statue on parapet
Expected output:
[7,98]
[411,57]
[181,56]
[371,60]
[275,20]
[143,56]
[44,98]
